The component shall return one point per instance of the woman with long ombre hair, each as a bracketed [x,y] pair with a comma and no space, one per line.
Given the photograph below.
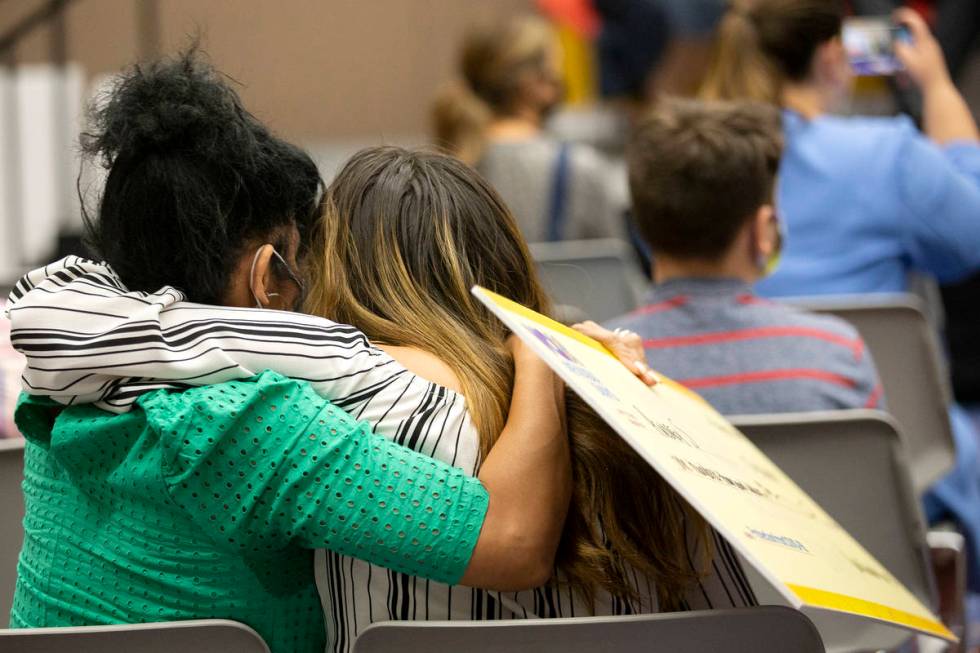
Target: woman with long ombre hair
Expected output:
[492,117]
[406,236]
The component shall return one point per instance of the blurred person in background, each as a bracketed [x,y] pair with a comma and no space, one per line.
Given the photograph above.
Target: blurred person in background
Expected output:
[643,48]
[492,118]
[632,38]
[692,29]
[702,178]
[865,200]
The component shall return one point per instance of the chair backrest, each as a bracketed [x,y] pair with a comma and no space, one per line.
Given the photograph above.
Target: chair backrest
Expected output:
[906,351]
[854,464]
[733,631]
[11,519]
[198,636]
[599,277]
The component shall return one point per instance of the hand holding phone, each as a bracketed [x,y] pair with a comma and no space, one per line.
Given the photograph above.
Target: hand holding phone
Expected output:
[870,45]
[921,56]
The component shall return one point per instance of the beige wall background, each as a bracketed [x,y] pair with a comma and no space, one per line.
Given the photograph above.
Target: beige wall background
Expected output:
[318,71]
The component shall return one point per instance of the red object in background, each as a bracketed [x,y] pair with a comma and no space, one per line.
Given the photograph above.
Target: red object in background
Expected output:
[925,7]
[579,15]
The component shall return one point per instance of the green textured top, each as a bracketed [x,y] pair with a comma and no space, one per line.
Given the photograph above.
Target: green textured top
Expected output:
[207,503]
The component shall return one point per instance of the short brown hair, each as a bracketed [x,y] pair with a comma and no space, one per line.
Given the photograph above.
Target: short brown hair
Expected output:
[699,170]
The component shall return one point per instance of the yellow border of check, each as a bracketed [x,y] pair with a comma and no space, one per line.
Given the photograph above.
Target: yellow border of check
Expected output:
[544,320]
[818,598]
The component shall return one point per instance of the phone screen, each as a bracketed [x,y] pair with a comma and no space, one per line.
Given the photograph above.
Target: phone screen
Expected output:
[870,45]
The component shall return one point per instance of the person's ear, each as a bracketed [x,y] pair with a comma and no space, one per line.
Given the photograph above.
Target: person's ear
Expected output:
[260,275]
[764,233]
[526,89]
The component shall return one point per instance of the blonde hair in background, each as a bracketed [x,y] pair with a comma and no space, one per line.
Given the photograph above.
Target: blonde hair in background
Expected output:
[405,237]
[738,67]
[494,61]
[763,44]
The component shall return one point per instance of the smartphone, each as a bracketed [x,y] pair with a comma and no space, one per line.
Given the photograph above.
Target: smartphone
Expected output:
[870,45]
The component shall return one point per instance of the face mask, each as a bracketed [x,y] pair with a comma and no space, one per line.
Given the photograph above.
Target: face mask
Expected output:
[289,272]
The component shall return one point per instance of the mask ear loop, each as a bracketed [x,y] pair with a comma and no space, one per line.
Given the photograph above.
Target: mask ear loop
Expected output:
[251,276]
[768,264]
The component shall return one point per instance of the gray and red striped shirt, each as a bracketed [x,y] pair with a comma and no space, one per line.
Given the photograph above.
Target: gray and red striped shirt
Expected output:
[747,355]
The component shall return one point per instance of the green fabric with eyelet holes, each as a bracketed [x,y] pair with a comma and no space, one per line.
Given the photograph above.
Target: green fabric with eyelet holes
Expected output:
[207,503]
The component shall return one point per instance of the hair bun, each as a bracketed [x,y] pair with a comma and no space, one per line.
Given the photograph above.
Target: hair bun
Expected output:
[177,104]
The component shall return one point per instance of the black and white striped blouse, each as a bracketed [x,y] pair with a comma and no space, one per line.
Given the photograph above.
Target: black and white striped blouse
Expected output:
[89,340]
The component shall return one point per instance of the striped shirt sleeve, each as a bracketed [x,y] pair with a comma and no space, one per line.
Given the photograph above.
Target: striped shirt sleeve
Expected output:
[89,340]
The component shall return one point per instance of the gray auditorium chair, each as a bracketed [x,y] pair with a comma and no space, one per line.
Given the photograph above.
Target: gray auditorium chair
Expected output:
[854,464]
[748,630]
[199,636]
[909,360]
[11,519]
[600,278]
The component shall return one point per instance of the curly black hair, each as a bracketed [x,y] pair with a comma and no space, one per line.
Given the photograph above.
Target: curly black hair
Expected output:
[193,179]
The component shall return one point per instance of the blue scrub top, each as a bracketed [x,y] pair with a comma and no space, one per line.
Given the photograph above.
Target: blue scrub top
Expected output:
[865,200]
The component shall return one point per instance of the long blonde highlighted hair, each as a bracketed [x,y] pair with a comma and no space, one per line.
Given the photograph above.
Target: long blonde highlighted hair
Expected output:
[494,61]
[405,237]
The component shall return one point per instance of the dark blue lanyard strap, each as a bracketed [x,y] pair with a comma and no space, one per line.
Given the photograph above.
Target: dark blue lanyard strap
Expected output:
[559,195]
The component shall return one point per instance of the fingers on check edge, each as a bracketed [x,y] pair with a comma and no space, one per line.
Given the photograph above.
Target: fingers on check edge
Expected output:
[646,374]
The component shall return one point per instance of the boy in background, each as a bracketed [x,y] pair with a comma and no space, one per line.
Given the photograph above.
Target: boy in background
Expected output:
[702,179]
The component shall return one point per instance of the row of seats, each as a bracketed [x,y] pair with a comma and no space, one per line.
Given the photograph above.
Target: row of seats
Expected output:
[734,631]
[855,465]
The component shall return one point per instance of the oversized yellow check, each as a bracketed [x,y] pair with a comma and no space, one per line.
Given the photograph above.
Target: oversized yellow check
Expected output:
[773,524]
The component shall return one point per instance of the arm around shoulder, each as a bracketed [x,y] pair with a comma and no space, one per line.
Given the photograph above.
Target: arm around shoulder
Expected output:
[267,464]
[528,477]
